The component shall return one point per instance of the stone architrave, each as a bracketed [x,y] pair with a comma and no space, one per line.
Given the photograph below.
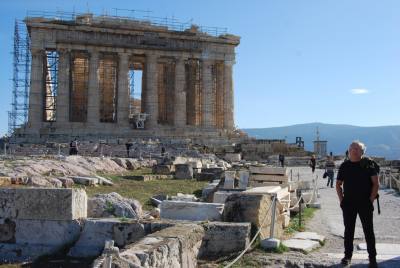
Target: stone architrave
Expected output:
[123,90]
[93,110]
[151,90]
[180,93]
[36,89]
[62,103]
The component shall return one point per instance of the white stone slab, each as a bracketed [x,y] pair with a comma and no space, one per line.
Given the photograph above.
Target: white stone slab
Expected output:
[301,245]
[309,236]
[268,170]
[192,211]
[263,190]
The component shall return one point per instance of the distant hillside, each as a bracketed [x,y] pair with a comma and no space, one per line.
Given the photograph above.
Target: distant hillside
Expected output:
[380,141]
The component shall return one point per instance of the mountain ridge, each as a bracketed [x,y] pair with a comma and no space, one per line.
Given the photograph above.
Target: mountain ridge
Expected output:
[380,140]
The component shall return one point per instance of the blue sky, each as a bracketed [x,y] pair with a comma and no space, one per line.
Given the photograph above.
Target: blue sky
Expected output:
[299,61]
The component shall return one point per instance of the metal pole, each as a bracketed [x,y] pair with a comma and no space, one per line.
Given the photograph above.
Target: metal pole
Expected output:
[300,211]
[271,234]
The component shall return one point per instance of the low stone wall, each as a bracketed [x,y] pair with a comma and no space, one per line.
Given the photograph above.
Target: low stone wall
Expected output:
[177,246]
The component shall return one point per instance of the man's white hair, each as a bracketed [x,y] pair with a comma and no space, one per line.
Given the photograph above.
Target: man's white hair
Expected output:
[360,144]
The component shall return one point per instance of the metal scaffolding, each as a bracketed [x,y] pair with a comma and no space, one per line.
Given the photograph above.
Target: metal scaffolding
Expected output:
[18,115]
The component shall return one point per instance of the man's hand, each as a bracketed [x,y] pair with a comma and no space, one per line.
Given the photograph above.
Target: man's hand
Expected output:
[339,190]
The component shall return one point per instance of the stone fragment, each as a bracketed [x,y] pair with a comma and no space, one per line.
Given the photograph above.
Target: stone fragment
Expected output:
[66,182]
[301,245]
[224,238]
[113,205]
[162,169]
[88,181]
[4,181]
[192,211]
[243,179]
[229,179]
[183,171]
[221,196]
[7,203]
[309,236]
[233,157]
[50,204]
[270,243]
[97,231]
[254,208]
[177,246]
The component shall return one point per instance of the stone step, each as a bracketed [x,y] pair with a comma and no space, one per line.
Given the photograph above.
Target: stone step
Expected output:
[301,245]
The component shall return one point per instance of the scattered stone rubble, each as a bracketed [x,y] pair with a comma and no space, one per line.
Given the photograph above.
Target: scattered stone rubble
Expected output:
[219,225]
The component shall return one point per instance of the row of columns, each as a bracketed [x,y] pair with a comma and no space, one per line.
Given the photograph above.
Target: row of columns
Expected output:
[151,95]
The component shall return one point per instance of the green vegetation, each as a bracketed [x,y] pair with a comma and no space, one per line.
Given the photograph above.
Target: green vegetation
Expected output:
[143,190]
[293,227]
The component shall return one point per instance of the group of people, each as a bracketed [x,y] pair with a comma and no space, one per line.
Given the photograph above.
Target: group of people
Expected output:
[357,187]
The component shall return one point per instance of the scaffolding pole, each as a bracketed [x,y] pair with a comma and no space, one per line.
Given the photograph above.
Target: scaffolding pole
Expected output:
[18,115]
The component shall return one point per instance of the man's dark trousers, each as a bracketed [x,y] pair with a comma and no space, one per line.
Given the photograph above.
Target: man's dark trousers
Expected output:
[365,213]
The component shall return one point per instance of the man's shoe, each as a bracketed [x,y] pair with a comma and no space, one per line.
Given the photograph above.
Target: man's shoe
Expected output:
[373,264]
[345,262]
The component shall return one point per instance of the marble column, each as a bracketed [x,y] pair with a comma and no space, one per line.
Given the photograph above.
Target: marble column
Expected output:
[123,90]
[62,102]
[180,94]
[151,95]
[36,89]
[93,110]
[207,107]
[228,90]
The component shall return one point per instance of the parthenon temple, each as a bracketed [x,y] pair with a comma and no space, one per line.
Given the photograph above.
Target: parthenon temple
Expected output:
[123,77]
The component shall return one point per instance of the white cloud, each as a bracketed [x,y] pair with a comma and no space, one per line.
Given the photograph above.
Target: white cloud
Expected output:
[359,91]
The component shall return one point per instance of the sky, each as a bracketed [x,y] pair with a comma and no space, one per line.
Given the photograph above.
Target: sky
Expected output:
[299,61]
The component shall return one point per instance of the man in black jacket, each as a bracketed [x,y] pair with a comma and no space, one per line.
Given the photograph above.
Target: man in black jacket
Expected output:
[357,187]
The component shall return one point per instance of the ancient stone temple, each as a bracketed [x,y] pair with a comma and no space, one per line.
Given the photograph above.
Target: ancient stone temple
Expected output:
[120,77]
